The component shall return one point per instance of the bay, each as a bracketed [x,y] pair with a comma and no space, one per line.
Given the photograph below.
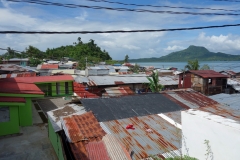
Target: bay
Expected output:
[214,65]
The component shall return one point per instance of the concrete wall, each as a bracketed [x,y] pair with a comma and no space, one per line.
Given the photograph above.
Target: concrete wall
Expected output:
[25,113]
[11,126]
[56,141]
[223,135]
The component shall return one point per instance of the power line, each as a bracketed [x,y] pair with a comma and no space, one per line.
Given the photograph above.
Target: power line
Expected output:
[140,5]
[113,31]
[41,2]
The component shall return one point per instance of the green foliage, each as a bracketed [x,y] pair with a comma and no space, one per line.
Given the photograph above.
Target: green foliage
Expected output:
[192,52]
[205,67]
[192,65]
[153,82]
[111,62]
[135,68]
[78,51]
[34,61]
[126,58]
[209,153]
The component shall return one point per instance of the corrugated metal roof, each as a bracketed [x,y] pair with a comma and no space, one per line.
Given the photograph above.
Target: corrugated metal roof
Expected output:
[110,80]
[12,99]
[234,82]
[208,74]
[63,71]
[117,91]
[81,127]
[21,74]
[191,98]
[230,100]
[81,79]
[106,109]
[115,149]
[49,66]
[82,91]
[97,151]
[54,115]
[168,80]
[152,135]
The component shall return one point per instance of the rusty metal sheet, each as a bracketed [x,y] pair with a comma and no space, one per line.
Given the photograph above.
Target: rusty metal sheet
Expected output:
[81,127]
[97,151]
[152,135]
[115,149]
[223,111]
[192,98]
[176,116]
[208,74]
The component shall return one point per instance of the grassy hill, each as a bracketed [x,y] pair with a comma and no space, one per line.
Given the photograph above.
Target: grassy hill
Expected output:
[192,52]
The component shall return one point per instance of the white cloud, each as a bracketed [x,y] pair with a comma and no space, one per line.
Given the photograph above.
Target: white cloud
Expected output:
[173,48]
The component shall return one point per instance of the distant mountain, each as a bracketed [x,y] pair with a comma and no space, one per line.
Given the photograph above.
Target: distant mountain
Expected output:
[191,53]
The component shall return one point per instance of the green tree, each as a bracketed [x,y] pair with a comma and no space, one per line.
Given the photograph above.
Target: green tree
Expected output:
[205,67]
[154,82]
[192,65]
[126,58]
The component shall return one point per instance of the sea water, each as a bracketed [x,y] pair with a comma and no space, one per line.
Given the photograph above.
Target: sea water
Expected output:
[214,65]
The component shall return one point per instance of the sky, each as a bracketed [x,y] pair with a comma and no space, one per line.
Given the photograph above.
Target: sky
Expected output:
[20,16]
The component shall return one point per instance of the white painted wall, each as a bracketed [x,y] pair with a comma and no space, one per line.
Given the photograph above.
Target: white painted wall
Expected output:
[223,135]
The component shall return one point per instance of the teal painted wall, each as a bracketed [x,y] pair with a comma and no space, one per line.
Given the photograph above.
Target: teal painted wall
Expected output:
[25,113]
[12,126]
[56,141]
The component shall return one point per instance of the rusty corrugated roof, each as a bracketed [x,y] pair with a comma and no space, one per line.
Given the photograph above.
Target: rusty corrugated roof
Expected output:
[208,74]
[152,135]
[82,127]
[190,98]
[115,149]
[49,66]
[118,91]
[81,91]
[97,151]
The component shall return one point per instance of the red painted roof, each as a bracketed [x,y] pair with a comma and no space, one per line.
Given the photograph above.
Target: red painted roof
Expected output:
[208,74]
[18,87]
[46,79]
[79,89]
[12,99]
[49,66]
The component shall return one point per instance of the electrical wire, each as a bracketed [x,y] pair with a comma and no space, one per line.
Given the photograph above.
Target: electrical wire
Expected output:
[114,31]
[141,5]
[41,2]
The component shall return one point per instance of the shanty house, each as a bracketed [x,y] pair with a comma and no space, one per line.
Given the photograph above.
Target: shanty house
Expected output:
[18,61]
[16,105]
[208,82]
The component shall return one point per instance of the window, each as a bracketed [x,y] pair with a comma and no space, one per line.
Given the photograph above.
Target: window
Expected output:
[58,88]
[66,88]
[4,114]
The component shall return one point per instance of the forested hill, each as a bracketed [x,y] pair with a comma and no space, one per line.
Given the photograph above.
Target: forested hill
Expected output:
[78,51]
[192,52]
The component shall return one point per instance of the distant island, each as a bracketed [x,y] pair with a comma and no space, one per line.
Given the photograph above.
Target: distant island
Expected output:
[191,53]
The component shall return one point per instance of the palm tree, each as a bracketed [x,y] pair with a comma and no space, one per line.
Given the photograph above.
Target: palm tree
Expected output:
[192,65]
[153,82]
